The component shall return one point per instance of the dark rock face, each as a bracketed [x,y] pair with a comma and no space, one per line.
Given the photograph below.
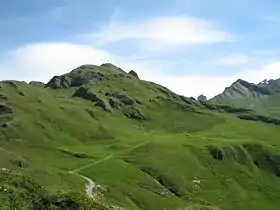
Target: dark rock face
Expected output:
[114,104]
[123,98]
[3,97]
[21,93]
[134,114]
[4,125]
[125,104]
[202,98]
[138,102]
[217,153]
[59,82]
[87,94]
[260,118]
[127,101]
[5,109]
[20,163]
[225,108]
[75,80]
[133,73]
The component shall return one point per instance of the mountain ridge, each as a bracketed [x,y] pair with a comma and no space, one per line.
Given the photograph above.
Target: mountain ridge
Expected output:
[262,97]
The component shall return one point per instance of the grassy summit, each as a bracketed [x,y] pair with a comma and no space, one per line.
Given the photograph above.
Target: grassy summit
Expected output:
[143,145]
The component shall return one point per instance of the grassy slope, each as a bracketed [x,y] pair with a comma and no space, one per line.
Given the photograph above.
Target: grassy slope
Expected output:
[22,192]
[53,133]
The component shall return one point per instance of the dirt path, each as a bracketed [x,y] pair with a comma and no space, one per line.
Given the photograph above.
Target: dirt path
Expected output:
[91,186]
[92,164]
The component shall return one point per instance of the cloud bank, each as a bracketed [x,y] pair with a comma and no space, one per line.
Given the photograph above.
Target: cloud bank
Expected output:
[41,61]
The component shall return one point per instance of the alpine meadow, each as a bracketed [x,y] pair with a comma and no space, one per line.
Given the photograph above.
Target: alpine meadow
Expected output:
[101,138]
[139,105]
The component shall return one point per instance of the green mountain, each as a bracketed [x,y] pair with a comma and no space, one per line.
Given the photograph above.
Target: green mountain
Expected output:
[263,97]
[101,138]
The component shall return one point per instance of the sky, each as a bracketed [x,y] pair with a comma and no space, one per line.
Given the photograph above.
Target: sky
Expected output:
[191,47]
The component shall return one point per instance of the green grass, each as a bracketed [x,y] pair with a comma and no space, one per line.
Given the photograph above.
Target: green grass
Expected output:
[22,192]
[154,162]
[230,184]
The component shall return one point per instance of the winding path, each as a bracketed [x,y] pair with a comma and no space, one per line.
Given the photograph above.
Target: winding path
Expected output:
[91,185]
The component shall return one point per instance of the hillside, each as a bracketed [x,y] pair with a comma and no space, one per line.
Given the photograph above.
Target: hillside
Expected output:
[263,97]
[141,145]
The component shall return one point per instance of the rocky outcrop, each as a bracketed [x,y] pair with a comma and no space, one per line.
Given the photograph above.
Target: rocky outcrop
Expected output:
[88,94]
[202,98]
[75,80]
[20,163]
[217,153]
[134,114]
[37,84]
[260,118]
[5,109]
[59,82]
[114,104]
[133,73]
[123,98]
[138,102]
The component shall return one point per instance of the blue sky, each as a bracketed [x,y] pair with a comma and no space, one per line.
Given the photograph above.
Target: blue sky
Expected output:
[192,47]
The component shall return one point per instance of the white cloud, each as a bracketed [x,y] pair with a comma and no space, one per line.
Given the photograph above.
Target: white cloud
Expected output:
[44,60]
[164,32]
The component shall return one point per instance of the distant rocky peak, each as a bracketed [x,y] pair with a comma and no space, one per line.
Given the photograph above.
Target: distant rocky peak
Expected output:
[274,83]
[202,98]
[242,82]
[264,82]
